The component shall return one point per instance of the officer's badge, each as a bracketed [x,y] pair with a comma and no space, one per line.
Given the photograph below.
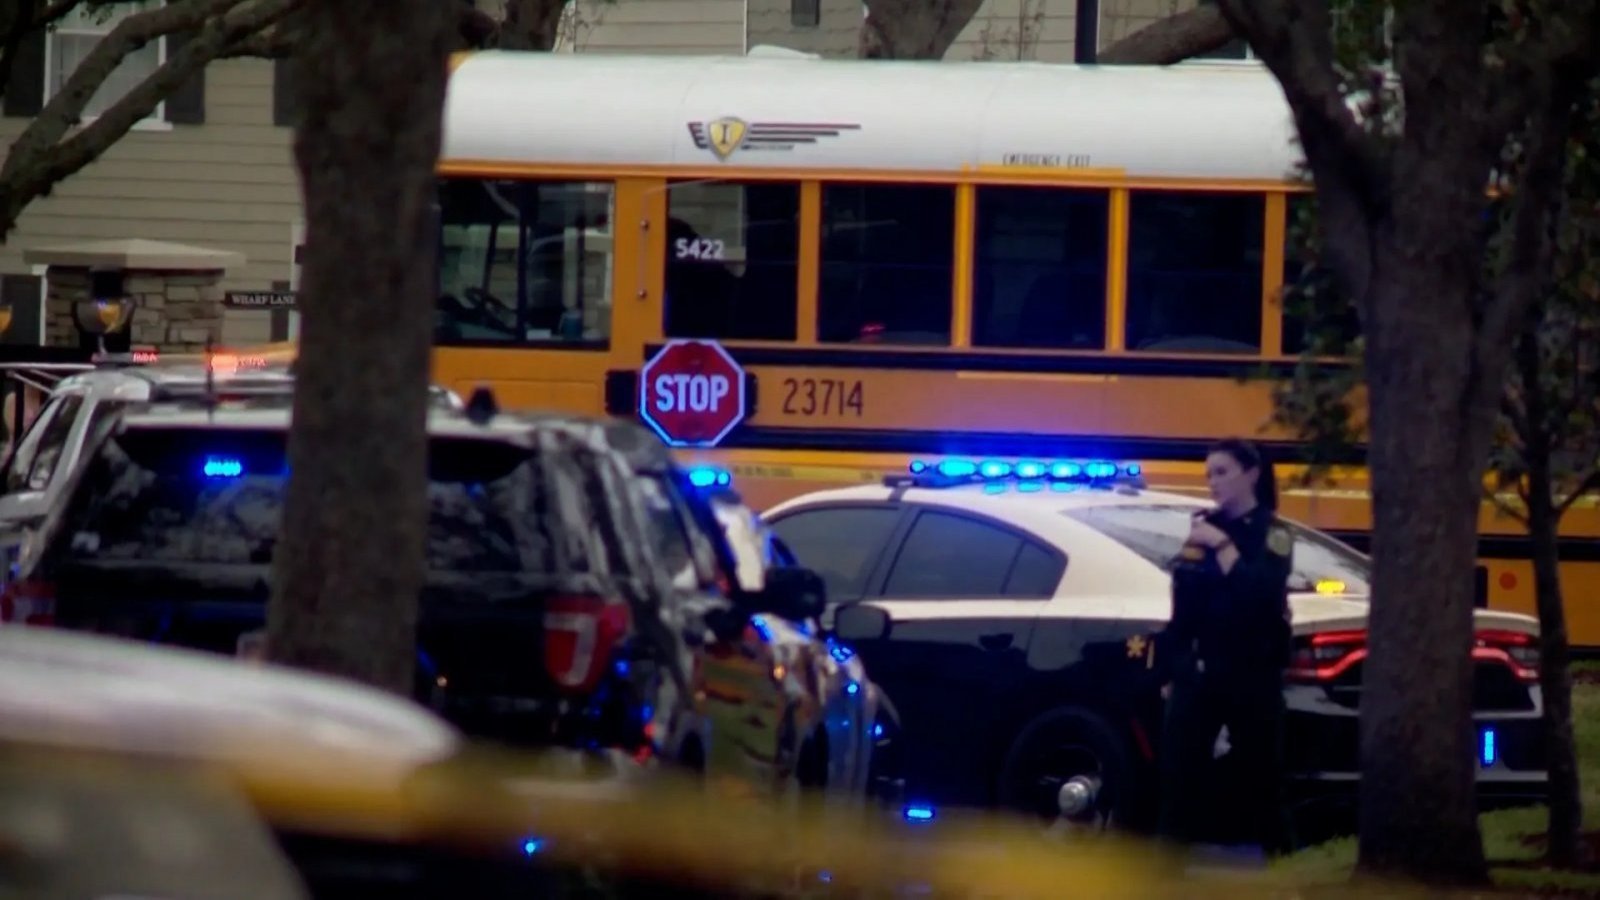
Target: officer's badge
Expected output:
[1136,646]
[1279,540]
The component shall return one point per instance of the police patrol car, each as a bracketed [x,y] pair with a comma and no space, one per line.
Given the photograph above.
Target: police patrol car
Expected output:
[1005,609]
[79,395]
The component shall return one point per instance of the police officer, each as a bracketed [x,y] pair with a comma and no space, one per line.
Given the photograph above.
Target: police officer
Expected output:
[1227,646]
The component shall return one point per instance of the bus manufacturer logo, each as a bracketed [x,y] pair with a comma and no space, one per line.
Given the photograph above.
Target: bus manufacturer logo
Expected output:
[724,136]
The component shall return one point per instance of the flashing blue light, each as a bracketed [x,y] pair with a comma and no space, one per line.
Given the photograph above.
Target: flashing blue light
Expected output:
[1487,752]
[919,814]
[223,467]
[957,468]
[1031,474]
[839,651]
[1030,469]
[532,846]
[993,468]
[852,688]
[825,877]
[707,476]
[877,730]
[1066,470]
[1100,470]
[759,623]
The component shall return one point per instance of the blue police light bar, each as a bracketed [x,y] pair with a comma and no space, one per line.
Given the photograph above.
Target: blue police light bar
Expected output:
[1030,474]
[919,813]
[222,467]
[709,476]
[1487,751]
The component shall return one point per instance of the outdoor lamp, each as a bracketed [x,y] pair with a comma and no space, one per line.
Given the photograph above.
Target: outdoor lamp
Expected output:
[106,311]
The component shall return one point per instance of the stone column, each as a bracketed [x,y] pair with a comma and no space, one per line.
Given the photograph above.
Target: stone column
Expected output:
[176,289]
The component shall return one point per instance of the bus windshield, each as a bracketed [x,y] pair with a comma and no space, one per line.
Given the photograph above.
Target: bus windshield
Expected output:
[1156,532]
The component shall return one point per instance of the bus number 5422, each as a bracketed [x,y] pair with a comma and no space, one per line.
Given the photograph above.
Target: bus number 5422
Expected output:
[821,396]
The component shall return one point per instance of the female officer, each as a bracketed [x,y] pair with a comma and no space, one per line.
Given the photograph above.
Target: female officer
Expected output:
[1228,642]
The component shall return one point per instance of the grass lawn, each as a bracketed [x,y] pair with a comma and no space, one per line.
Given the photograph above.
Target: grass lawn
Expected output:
[1512,839]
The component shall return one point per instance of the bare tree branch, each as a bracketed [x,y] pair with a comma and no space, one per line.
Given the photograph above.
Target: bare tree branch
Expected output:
[1295,40]
[1588,485]
[1172,40]
[477,29]
[135,31]
[272,43]
[1500,504]
[18,26]
[1532,247]
[39,158]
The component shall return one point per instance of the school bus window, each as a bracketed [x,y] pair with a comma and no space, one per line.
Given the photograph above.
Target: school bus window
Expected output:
[1194,272]
[1040,268]
[888,251]
[732,260]
[1314,310]
[525,262]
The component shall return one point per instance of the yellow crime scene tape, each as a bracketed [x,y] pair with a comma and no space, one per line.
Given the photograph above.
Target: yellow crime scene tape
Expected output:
[679,830]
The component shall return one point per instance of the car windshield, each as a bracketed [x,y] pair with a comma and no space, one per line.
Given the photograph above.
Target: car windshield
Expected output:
[192,496]
[1157,531]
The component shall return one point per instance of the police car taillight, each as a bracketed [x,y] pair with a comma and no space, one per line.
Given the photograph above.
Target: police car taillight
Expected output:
[1515,649]
[28,603]
[581,633]
[1326,655]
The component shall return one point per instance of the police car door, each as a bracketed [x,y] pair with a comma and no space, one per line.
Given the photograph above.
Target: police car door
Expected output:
[35,465]
[962,592]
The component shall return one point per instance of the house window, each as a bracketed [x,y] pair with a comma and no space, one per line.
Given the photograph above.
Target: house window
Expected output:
[805,13]
[76,36]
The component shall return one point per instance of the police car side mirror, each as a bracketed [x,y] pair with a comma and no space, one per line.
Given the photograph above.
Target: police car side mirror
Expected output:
[793,592]
[860,622]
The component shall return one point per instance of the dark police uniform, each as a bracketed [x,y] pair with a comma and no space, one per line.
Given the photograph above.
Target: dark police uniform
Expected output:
[1226,647]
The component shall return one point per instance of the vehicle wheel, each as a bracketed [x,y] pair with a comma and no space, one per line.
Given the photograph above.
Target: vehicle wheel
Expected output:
[1054,749]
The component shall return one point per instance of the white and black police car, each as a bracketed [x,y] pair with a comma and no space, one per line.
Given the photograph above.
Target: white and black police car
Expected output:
[1005,608]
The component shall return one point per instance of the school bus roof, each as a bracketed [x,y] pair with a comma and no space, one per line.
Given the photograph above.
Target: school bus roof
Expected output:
[1219,121]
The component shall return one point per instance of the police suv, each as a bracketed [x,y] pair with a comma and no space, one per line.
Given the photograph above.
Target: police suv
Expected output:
[82,394]
[1005,609]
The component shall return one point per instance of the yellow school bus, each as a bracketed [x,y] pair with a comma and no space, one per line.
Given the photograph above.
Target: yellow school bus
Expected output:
[903,261]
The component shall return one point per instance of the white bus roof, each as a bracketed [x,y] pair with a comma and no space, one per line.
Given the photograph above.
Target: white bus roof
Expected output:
[1212,122]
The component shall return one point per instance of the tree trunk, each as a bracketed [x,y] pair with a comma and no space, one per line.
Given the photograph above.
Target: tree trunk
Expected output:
[1555,676]
[349,561]
[1417,795]
[1171,40]
[914,29]
[531,24]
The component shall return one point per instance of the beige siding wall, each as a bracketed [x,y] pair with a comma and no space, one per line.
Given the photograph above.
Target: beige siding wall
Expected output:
[836,34]
[656,26]
[1045,30]
[228,184]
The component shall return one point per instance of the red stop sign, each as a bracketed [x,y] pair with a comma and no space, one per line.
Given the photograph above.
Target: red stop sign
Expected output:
[692,393]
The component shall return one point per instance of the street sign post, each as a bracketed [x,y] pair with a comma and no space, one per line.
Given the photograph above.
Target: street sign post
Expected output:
[692,393]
